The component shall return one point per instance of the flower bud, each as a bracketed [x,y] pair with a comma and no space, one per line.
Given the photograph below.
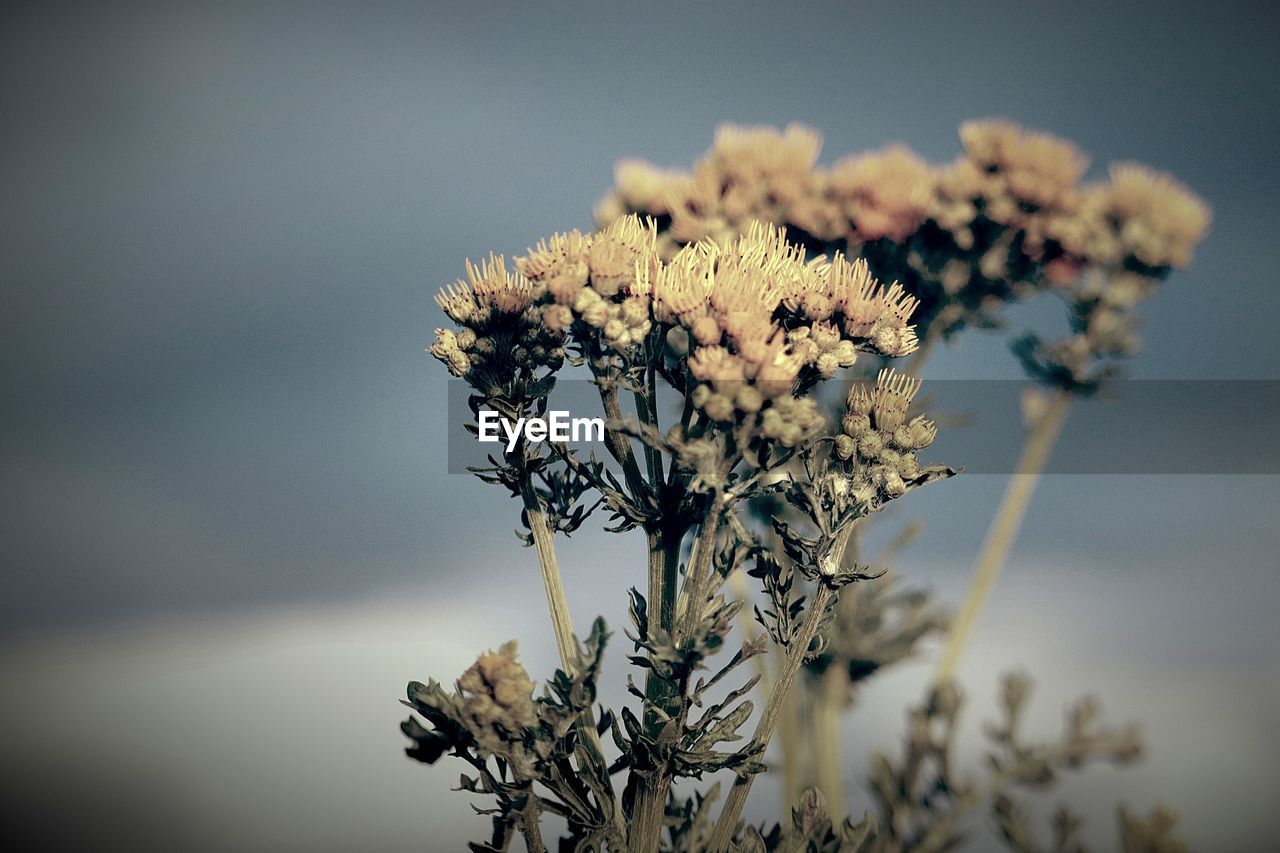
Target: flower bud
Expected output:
[719,408]
[707,331]
[749,399]
[678,341]
[827,365]
[856,425]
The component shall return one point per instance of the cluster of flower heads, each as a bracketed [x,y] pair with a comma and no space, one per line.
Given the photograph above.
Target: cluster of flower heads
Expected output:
[750,174]
[878,437]
[1011,206]
[758,321]
[753,319]
[514,321]
[501,330]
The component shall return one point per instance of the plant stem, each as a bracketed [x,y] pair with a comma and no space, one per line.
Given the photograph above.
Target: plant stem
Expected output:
[722,837]
[794,747]
[591,750]
[561,623]
[1041,436]
[620,445]
[828,701]
[530,820]
[698,575]
[648,816]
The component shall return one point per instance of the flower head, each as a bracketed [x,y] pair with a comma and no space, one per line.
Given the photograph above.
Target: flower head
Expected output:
[1159,220]
[885,193]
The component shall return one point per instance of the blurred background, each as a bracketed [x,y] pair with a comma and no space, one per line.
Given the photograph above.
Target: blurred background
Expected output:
[228,536]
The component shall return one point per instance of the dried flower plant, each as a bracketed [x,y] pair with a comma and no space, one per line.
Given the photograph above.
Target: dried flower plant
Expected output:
[738,292]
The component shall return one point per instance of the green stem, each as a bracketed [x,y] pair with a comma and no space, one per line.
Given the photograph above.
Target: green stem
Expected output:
[552,582]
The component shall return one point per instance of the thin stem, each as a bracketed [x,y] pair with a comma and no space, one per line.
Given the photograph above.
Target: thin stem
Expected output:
[828,701]
[619,445]
[552,583]
[794,748]
[798,649]
[592,751]
[722,837]
[828,697]
[647,406]
[1041,436]
[698,575]
[650,802]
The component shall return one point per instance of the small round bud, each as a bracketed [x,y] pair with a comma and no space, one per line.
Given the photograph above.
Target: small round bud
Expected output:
[923,432]
[557,317]
[749,399]
[846,353]
[845,446]
[827,365]
[707,331]
[678,341]
[634,311]
[826,336]
[719,408]
[459,363]
[614,329]
[893,485]
[596,314]
[856,425]
[908,468]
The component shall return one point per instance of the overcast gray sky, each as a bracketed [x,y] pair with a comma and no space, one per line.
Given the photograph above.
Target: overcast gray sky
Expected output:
[221,227]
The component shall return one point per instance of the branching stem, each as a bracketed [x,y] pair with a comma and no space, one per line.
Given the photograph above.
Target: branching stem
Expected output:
[722,837]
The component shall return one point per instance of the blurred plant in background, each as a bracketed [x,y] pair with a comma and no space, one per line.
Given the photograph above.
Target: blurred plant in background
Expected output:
[739,292]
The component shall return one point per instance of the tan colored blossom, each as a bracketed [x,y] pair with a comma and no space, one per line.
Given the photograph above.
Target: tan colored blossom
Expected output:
[887,193]
[1160,220]
[748,150]
[618,251]
[496,287]
[644,187]
[498,695]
